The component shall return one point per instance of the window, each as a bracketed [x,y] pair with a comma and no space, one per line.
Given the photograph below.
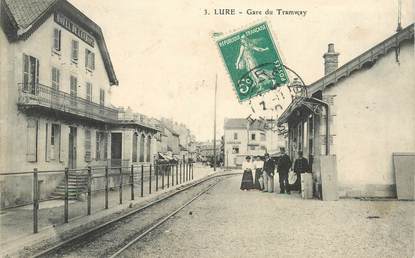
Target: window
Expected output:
[235,136]
[54,149]
[55,78]
[88,156]
[252,147]
[101,146]
[253,137]
[235,150]
[102,97]
[30,74]
[142,138]
[263,137]
[31,143]
[75,51]
[148,156]
[57,39]
[89,91]
[74,90]
[135,141]
[89,60]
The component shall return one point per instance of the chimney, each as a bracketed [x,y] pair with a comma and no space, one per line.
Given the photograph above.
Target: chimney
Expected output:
[331,60]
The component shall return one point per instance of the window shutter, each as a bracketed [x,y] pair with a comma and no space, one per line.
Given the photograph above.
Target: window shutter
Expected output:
[86,58]
[64,145]
[37,77]
[97,148]
[92,61]
[59,39]
[31,151]
[25,72]
[87,145]
[48,134]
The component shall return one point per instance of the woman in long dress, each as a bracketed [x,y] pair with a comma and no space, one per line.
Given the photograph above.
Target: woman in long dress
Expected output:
[247,180]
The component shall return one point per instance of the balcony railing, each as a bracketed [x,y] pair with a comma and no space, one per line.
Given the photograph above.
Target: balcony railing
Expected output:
[38,95]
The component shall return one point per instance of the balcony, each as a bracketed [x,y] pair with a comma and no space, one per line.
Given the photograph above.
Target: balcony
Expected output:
[32,96]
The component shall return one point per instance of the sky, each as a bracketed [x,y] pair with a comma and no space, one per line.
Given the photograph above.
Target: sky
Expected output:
[166,59]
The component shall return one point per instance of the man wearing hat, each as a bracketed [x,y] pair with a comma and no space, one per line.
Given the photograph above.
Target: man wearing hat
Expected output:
[284,165]
[300,166]
[269,167]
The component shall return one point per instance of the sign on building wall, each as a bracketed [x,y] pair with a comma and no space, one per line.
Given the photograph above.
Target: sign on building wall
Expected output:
[74,28]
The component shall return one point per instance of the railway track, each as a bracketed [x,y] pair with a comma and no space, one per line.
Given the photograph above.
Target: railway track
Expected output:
[113,237]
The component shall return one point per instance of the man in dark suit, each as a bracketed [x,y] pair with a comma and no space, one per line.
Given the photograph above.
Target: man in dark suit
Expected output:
[301,166]
[268,168]
[284,165]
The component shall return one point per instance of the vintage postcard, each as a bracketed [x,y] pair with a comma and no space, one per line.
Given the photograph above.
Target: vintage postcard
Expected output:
[207,128]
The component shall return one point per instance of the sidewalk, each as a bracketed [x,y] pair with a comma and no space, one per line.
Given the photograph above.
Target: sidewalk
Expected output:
[17,223]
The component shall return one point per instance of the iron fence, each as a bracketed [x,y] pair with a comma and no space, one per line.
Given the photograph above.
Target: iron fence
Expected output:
[129,181]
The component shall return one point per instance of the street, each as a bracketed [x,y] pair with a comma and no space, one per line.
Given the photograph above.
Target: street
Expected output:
[227,222]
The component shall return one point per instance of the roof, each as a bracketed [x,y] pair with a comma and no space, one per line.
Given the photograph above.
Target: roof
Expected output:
[369,56]
[242,123]
[19,19]
[235,123]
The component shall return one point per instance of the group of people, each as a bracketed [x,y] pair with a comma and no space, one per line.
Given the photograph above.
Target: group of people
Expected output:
[259,173]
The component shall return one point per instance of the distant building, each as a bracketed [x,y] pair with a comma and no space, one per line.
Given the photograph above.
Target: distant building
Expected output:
[243,138]
[356,117]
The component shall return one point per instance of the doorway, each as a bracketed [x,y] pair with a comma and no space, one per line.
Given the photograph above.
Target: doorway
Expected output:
[116,149]
[72,147]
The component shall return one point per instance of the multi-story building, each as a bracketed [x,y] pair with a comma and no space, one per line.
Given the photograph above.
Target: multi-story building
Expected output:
[356,118]
[243,138]
[56,79]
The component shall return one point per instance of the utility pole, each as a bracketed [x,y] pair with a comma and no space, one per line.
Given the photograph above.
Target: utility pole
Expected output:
[214,125]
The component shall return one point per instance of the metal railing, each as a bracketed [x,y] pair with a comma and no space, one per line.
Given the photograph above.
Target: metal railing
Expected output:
[40,95]
[135,179]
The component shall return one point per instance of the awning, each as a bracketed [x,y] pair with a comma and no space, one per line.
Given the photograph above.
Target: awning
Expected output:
[311,104]
[165,157]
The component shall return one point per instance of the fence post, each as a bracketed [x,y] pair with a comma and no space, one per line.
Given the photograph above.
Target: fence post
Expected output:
[149,182]
[192,169]
[168,175]
[35,200]
[156,168]
[177,174]
[162,177]
[89,191]
[120,184]
[142,180]
[106,187]
[132,182]
[66,206]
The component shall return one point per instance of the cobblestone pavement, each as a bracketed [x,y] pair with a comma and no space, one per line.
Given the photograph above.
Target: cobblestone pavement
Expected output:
[18,222]
[227,222]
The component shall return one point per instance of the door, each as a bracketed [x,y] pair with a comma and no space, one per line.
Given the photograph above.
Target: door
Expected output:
[116,149]
[72,147]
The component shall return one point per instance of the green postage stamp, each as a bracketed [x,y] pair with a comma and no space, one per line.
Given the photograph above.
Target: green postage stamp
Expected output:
[252,60]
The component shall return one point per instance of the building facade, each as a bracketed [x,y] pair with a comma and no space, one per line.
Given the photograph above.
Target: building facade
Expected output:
[244,138]
[56,80]
[370,110]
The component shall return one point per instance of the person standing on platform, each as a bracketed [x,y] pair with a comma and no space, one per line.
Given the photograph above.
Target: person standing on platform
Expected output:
[247,181]
[268,174]
[300,166]
[258,165]
[284,165]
